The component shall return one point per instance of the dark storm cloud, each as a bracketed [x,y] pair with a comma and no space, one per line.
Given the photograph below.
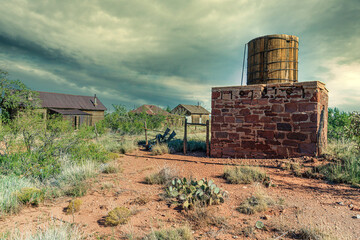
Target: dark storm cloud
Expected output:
[170,52]
[27,49]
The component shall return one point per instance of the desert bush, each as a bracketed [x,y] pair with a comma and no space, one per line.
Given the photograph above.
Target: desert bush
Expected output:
[88,151]
[140,200]
[127,147]
[31,195]
[256,203]
[203,217]
[190,193]
[244,175]
[125,122]
[9,186]
[192,145]
[35,164]
[159,149]
[182,233]
[71,179]
[74,206]
[53,231]
[110,168]
[164,176]
[345,163]
[119,215]
[309,233]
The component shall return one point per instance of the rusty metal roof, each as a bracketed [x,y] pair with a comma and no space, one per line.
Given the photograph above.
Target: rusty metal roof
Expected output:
[69,111]
[68,101]
[151,110]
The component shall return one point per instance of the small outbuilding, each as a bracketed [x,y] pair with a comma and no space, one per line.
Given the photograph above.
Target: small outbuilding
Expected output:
[150,110]
[193,113]
[80,110]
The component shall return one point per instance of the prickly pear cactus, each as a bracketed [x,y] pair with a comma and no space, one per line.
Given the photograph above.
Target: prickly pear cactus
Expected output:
[191,192]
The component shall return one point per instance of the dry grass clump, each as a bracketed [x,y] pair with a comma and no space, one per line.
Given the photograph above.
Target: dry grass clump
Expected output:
[292,166]
[256,203]
[244,175]
[140,200]
[308,233]
[165,175]
[119,215]
[74,206]
[182,233]
[202,217]
[159,149]
[127,147]
[111,168]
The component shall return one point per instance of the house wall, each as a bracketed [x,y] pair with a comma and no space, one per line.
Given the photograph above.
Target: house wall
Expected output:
[96,116]
[273,120]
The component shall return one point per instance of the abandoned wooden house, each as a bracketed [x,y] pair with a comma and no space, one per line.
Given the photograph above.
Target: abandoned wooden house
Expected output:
[193,113]
[80,110]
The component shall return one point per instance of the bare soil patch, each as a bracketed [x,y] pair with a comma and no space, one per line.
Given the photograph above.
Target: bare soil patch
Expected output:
[306,202]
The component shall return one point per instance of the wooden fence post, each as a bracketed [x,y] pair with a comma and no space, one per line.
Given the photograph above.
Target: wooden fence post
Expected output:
[146,139]
[207,139]
[185,137]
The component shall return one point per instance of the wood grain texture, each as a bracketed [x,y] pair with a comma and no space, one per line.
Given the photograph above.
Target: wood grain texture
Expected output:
[273,59]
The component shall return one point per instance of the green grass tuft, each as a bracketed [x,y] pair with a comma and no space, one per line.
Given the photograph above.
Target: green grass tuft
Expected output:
[183,233]
[244,175]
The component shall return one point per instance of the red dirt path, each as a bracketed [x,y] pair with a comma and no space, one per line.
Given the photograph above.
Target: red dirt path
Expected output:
[307,201]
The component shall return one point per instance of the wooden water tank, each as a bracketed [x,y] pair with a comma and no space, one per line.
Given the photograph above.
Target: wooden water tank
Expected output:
[273,59]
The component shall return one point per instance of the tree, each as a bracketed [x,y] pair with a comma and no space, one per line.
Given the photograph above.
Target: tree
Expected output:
[15,95]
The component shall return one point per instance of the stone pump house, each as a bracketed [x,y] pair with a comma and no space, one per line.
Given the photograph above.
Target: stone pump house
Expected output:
[79,110]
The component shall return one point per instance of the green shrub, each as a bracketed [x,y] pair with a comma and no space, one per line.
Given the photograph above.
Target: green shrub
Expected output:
[74,206]
[160,149]
[337,123]
[244,175]
[119,215]
[35,164]
[192,146]
[125,122]
[190,193]
[164,176]
[30,195]
[89,151]
[345,164]
[183,233]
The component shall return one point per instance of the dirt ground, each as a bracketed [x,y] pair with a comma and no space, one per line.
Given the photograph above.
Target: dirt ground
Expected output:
[306,202]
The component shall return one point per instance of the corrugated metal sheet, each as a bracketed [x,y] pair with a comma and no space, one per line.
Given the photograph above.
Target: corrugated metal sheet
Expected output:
[60,100]
[69,112]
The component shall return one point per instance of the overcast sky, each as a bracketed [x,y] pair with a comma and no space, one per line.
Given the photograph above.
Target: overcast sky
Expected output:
[165,52]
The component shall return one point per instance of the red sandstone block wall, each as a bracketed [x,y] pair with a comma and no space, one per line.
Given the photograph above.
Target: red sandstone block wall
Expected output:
[273,120]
